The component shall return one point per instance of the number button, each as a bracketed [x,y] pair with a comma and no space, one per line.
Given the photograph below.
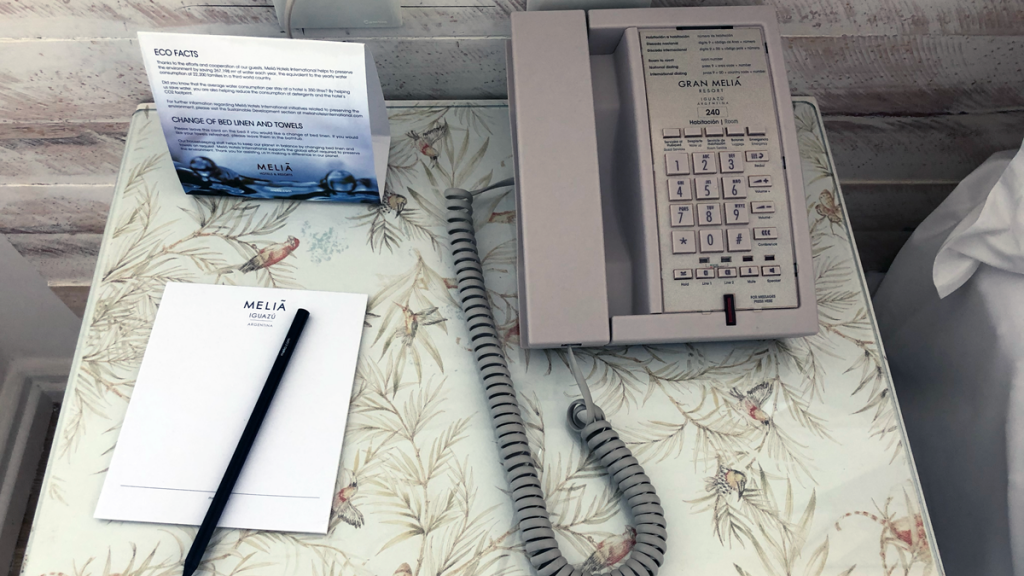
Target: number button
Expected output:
[748,271]
[705,272]
[683,242]
[682,274]
[707,188]
[764,207]
[731,162]
[766,233]
[726,272]
[680,189]
[736,213]
[677,163]
[709,214]
[756,181]
[757,156]
[682,214]
[734,187]
[771,270]
[704,163]
[738,239]
[711,241]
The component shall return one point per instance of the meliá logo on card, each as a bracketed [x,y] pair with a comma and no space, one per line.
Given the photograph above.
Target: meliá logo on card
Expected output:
[275,169]
[263,312]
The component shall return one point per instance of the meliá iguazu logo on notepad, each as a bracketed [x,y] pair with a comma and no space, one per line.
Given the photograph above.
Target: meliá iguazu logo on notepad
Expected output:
[263,312]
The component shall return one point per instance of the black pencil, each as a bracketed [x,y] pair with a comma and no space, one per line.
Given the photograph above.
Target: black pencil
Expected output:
[259,411]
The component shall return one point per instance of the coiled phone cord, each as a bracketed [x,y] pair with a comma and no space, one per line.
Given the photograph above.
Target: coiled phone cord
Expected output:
[584,417]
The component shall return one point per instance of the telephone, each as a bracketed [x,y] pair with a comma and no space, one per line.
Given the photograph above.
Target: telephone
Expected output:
[658,181]
[655,204]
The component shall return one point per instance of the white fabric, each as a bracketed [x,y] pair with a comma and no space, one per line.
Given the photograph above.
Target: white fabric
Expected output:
[951,314]
[992,233]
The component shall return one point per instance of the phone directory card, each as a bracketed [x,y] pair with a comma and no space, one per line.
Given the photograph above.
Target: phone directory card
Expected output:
[270,117]
[209,354]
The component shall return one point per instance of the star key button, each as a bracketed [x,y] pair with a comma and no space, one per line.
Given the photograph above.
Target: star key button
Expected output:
[683,242]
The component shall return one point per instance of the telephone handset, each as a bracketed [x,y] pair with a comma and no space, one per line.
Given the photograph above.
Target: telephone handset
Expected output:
[658,182]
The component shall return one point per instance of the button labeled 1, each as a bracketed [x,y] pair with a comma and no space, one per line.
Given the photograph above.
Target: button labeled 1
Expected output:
[677,163]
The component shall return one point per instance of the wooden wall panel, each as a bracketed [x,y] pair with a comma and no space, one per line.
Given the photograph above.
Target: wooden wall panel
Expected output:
[103,80]
[469,18]
[936,149]
[61,153]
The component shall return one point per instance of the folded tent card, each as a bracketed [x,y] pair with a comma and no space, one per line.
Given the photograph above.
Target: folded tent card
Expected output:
[270,118]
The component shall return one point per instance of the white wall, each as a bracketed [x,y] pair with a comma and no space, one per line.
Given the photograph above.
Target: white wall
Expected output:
[37,340]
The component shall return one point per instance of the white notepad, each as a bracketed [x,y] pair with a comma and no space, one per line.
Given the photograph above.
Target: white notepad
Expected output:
[208,357]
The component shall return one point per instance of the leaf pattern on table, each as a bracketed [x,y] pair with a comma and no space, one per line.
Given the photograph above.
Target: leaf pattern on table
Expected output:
[751,444]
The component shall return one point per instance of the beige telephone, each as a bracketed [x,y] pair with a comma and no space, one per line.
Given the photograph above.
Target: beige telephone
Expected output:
[657,178]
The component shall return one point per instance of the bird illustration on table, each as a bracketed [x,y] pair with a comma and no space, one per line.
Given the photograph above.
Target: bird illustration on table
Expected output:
[753,400]
[413,321]
[727,481]
[828,209]
[610,551]
[425,142]
[392,201]
[343,509]
[266,257]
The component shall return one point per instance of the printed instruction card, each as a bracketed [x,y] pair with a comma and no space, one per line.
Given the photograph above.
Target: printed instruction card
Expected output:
[207,359]
[270,117]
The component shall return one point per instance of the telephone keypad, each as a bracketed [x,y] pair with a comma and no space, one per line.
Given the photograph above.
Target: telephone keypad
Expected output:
[707,188]
[704,163]
[725,207]
[709,214]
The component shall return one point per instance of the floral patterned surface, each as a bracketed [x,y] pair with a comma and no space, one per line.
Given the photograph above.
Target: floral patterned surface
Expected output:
[772,458]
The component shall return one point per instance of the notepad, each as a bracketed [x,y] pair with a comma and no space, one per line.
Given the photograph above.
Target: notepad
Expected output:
[207,359]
